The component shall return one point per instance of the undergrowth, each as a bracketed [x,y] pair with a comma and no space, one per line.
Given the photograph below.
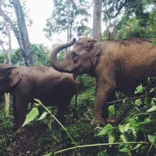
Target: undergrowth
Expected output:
[134,135]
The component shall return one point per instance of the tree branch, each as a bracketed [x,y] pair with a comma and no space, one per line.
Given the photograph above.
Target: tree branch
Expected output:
[118,9]
[15,30]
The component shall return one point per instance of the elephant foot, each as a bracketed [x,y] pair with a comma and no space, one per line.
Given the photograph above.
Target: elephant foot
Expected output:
[98,122]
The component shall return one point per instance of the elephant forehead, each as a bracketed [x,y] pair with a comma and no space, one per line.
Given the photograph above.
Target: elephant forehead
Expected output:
[79,49]
[84,39]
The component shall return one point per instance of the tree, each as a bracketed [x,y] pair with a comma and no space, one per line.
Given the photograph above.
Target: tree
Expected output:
[26,50]
[18,26]
[128,10]
[69,15]
[40,56]
[139,22]
[7,29]
[97,20]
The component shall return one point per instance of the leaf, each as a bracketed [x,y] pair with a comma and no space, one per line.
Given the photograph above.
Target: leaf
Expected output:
[101,154]
[139,89]
[49,154]
[43,116]
[123,138]
[124,128]
[111,111]
[108,129]
[126,150]
[153,102]
[110,139]
[137,146]
[132,121]
[127,127]
[121,128]
[152,109]
[152,138]
[147,126]
[138,102]
[49,121]
[31,116]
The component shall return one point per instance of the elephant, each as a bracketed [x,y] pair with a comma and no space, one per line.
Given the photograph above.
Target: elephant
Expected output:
[44,83]
[119,65]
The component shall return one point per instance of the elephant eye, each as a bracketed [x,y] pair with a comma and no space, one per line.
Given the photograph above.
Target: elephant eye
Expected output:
[75,57]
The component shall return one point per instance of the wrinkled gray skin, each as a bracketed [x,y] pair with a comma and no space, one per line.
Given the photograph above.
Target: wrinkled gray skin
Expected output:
[116,65]
[44,83]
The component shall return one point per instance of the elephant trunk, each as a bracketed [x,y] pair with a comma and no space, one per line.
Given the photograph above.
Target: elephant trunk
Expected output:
[65,65]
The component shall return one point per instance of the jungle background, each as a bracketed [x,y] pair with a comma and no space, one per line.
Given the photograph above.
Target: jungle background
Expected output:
[112,20]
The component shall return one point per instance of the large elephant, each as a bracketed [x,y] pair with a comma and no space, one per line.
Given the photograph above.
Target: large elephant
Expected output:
[45,83]
[117,65]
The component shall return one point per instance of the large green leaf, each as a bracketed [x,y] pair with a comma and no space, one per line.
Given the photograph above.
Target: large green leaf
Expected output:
[31,116]
[107,130]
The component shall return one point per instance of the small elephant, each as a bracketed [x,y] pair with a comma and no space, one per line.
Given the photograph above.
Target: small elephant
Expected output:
[116,65]
[44,83]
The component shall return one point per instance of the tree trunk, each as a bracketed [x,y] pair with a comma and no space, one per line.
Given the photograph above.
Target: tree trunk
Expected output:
[7,95]
[20,32]
[27,53]
[97,20]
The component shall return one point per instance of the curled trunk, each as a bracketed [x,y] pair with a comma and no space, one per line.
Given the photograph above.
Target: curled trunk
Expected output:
[65,65]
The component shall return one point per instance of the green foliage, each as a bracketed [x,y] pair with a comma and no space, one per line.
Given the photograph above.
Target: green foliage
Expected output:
[5,121]
[68,15]
[129,19]
[135,135]
[40,56]
[138,23]
[138,125]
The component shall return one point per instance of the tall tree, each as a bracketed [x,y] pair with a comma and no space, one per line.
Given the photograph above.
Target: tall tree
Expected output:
[7,29]
[18,25]
[27,53]
[97,20]
[70,16]
[7,95]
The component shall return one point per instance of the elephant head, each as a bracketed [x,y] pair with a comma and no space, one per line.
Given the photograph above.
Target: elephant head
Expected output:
[81,59]
[9,77]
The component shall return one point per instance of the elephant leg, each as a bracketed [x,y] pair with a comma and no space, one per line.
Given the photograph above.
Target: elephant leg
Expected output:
[104,90]
[63,108]
[15,115]
[62,111]
[112,97]
[20,109]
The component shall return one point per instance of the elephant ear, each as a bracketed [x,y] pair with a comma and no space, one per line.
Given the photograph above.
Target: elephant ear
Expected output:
[94,51]
[14,77]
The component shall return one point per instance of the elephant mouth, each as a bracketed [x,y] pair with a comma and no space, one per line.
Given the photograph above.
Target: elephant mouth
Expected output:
[75,72]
